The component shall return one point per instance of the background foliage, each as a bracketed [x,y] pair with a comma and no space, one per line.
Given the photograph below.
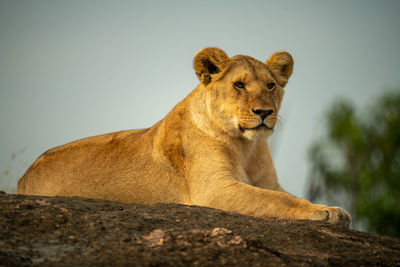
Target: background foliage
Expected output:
[357,163]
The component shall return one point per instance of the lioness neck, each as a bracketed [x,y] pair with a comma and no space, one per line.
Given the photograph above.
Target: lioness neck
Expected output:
[191,119]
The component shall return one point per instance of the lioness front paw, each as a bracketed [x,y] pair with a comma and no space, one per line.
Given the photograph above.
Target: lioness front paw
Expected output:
[334,215]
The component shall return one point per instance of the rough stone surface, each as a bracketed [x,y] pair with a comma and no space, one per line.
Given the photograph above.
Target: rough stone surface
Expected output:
[74,231]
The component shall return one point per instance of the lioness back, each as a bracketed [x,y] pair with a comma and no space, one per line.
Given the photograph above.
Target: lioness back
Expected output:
[97,167]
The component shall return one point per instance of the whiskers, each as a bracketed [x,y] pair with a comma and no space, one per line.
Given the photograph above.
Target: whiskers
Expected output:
[248,121]
[279,123]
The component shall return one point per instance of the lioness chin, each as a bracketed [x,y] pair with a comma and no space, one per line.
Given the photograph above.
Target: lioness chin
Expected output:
[210,150]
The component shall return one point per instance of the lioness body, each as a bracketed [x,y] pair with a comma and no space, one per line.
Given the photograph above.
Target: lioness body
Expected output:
[210,150]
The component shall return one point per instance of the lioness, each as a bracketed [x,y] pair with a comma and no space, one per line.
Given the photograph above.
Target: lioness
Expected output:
[210,150]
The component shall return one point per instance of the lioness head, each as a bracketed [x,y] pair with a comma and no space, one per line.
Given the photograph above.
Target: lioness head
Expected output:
[244,95]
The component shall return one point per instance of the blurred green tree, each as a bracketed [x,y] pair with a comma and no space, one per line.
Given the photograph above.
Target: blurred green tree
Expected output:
[357,163]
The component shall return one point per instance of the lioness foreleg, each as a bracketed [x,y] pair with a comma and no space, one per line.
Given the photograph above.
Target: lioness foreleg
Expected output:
[231,195]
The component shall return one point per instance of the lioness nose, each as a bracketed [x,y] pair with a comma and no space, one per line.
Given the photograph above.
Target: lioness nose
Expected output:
[263,112]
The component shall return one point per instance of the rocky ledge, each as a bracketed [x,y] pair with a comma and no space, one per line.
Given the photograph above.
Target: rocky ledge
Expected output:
[76,231]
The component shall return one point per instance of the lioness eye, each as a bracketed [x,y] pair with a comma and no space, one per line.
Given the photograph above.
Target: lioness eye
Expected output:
[270,86]
[239,85]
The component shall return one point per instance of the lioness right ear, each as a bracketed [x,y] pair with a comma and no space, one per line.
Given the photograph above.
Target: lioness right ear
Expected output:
[208,61]
[281,66]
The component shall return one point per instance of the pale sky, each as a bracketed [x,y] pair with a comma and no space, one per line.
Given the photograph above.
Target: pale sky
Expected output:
[72,69]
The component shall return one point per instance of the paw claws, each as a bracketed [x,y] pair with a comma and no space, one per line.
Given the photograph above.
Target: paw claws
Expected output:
[338,216]
[332,215]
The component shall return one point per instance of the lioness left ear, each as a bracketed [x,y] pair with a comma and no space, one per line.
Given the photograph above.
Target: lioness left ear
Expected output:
[281,66]
[208,61]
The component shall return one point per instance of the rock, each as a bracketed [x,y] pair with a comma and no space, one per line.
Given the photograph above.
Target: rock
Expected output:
[77,231]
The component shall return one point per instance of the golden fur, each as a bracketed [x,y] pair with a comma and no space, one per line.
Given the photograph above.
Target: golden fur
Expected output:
[210,150]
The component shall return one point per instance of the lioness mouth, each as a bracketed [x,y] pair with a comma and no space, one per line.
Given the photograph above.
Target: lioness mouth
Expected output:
[260,126]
